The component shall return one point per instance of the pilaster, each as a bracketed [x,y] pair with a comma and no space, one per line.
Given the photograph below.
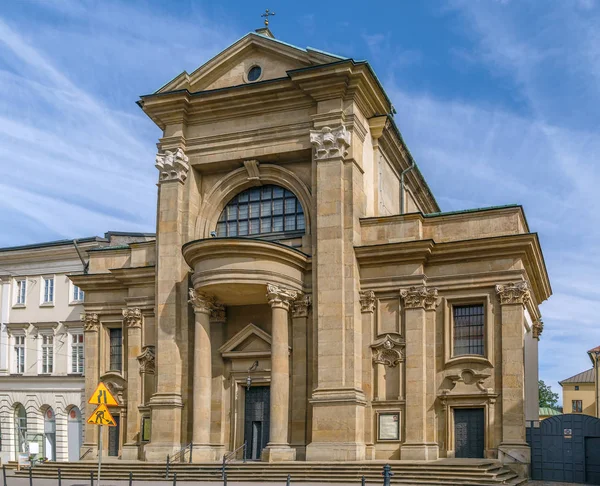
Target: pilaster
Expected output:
[367,307]
[513,448]
[419,303]
[132,323]
[218,319]
[91,325]
[171,312]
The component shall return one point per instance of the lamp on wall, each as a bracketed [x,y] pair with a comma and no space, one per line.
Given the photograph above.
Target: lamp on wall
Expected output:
[249,378]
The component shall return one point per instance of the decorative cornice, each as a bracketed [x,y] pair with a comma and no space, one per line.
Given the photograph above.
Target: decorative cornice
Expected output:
[300,306]
[537,328]
[513,293]
[388,351]
[330,143]
[201,302]
[217,314]
[90,321]
[367,301]
[147,360]
[172,166]
[280,297]
[132,317]
[420,297]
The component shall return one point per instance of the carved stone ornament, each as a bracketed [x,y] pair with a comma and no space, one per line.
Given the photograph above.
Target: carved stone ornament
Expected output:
[217,314]
[367,301]
[513,293]
[201,302]
[132,317]
[330,142]
[388,351]
[172,166]
[537,328]
[300,306]
[280,297]
[147,360]
[466,382]
[90,321]
[420,297]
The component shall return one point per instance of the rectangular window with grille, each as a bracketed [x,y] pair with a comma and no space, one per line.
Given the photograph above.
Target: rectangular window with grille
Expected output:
[577,406]
[19,354]
[21,291]
[116,349]
[77,353]
[469,323]
[47,354]
[48,290]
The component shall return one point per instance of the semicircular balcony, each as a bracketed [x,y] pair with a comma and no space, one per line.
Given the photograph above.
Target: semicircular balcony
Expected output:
[236,270]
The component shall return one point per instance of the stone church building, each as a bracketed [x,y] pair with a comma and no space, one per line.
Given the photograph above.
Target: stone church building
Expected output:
[305,295]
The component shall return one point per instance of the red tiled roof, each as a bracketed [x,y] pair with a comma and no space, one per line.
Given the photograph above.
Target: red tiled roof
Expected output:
[595,350]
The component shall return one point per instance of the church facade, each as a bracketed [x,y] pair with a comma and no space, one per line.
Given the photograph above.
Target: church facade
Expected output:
[305,296]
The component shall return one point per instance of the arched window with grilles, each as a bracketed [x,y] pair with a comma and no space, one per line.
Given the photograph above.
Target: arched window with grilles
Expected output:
[262,211]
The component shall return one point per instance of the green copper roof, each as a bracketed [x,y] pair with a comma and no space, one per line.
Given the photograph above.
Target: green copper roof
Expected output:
[474,210]
[548,412]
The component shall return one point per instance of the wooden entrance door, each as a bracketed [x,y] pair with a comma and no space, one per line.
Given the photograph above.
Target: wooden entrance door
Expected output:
[256,420]
[469,432]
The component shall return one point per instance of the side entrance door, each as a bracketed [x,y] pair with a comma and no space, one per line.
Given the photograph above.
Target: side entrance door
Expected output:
[256,420]
[469,432]
[113,437]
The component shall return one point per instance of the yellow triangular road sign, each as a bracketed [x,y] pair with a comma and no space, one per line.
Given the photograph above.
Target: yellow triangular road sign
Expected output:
[102,396]
[102,416]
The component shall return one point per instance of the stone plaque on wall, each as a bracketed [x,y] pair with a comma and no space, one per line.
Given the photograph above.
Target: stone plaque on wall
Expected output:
[388,426]
[388,317]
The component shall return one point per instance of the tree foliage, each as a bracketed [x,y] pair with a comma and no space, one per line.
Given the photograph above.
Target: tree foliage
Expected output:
[547,397]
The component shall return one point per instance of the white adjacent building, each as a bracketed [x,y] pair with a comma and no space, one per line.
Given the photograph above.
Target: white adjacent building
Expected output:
[42,347]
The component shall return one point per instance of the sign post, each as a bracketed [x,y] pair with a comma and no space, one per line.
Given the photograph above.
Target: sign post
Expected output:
[101,416]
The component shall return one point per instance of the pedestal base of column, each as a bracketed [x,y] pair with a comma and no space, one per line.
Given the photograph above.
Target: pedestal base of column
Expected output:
[130,452]
[166,426]
[278,453]
[516,456]
[300,452]
[335,451]
[419,452]
[203,453]
[370,452]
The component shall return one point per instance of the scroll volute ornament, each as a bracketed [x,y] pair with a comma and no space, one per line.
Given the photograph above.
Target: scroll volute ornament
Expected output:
[201,302]
[388,351]
[537,328]
[172,166]
[147,360]
[513,293]
[367,301]
[300,307]
[330,142]
[419,297]
[280,297]
[90,321]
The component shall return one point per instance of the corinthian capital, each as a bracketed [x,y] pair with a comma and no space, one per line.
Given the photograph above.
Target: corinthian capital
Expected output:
[367,301]
[330,142]
[132,317]
[90,321]
[537,328]
[300,306]
[201,302]
[513,293]
[280,297]
[217,314]
[419,297]
[172,166]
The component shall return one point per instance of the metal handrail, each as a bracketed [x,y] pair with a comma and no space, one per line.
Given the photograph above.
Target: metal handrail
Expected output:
[232,454]
[181,454]
[85,453]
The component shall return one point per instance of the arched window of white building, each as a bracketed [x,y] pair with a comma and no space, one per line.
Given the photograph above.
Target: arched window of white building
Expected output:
[74,433]
[20,430]
[267,211]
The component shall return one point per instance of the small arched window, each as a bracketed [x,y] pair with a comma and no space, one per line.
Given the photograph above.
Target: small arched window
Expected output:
[266,210]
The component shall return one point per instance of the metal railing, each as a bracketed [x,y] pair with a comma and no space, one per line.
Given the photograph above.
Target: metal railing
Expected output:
[179,456]
[85,453]
[230,457]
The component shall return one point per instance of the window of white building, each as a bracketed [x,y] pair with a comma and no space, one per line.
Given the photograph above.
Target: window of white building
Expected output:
[21,292]
[48,296]
[78,294]
[77,353]
[19,362]
[47,353]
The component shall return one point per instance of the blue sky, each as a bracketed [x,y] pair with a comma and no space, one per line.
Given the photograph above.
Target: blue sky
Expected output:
[499,102]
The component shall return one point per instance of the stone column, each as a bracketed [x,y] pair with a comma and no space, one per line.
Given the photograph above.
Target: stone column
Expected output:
[91,341]
[202,389]
[132,322]
[171,309]
[418,301]
[513,449]
[367,308]
[299,375]
[218,317]
[278,448]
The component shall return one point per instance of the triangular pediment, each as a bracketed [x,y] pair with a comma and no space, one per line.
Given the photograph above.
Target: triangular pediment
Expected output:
[250,341]
[231,66]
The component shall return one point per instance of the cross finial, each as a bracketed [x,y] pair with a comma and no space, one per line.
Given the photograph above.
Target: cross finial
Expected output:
[266,16]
